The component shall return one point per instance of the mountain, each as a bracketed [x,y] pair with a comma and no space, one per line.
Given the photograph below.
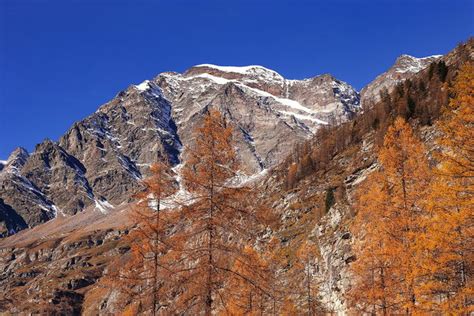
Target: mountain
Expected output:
[405,67]
[100,161]
[57,265]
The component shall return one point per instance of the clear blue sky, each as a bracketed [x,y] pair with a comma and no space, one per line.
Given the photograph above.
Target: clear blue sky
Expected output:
[60,60]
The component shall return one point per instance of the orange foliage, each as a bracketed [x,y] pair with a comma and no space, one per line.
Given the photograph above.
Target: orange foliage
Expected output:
[215,227]
[248,285]
[141,278]
[450,235]
[389,221]
[289,308]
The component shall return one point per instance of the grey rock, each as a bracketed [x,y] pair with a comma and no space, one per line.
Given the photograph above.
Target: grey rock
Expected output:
[23,202]
[60,176]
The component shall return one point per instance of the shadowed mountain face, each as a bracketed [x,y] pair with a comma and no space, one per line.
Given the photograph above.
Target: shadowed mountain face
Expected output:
[100,160]
[10,221]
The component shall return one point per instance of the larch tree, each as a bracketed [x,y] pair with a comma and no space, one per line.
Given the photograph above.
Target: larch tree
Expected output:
[142,278]
[288,308]
[302,274]
[218,223]
[276,265]
[374,288]
[246,283]
[291,176]
[450,234]
[391,209]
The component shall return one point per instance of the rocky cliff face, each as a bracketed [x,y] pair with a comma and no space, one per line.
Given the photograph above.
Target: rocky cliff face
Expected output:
[100,160]
[22,202]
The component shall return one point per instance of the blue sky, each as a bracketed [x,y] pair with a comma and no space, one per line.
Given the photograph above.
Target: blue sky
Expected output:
[60,60]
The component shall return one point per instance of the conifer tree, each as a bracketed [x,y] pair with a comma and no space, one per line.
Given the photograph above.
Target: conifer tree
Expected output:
[306,285]
[450,233]
[246,284]
[141,278]
[374,288]
[217,225]
[291,177]
[390,209]
[289,308]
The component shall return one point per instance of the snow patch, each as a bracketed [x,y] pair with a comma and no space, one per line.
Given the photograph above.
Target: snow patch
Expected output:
[291,104]
[432,57]
[143,86]
[103,206]
[245,70]
[57,211]
[303,117]
[288,102]
[242,179]
[215,79]
[182,196]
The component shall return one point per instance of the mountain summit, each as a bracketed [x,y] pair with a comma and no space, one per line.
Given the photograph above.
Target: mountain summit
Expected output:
[100,161]
[405,67]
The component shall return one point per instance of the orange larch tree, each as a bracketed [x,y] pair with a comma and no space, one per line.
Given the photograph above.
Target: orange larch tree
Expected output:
[288,308]
[215,227]
[142,278]
[374,289]
[246,282]
[450,234]
[304,284]
[391,208]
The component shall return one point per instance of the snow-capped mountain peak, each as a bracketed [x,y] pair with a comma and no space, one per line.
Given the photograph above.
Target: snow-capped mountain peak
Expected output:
[255,76]
[252,71]
[103,158]
[143,86]
[309,102]
[237,69]
[407,63]
[404,67]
